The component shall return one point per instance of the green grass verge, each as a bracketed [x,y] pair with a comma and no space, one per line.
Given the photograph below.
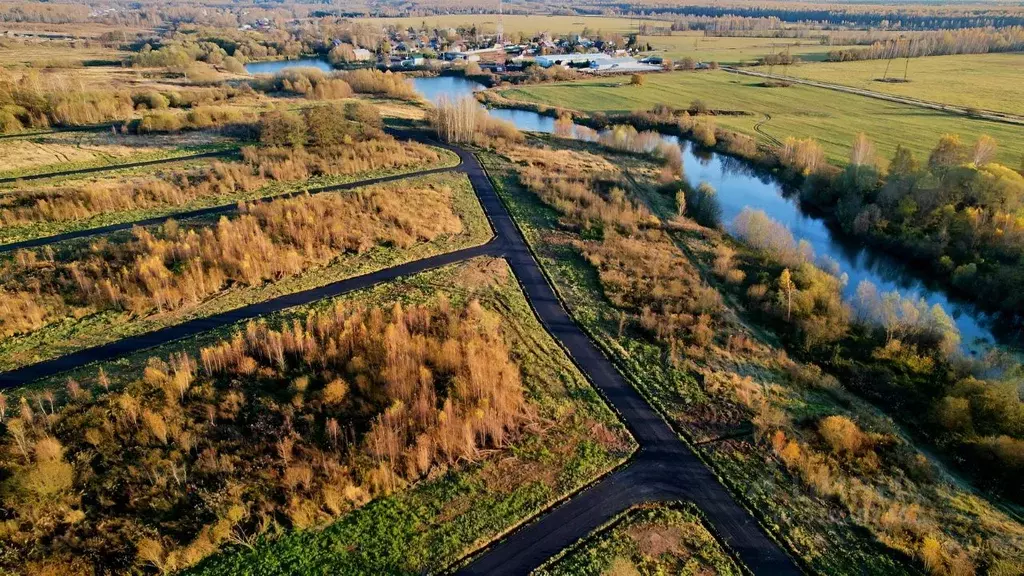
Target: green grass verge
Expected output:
[649,540]
[74,334]
[833,118]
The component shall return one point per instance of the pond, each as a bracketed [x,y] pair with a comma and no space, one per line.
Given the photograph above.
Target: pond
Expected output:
[275,66]
[740,186]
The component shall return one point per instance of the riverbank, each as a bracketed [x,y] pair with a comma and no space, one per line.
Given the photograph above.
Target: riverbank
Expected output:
[978,320]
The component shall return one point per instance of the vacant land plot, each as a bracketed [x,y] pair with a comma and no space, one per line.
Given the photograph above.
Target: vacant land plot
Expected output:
[128,196]
[983,81]
[410,521]
[831,117]
[56,53]
[199,262]
[720,379]
[732,50]
[61,151]
[656,539]
[528,25]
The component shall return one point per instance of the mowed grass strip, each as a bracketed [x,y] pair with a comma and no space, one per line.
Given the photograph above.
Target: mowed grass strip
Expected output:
[983,81]
[833,118]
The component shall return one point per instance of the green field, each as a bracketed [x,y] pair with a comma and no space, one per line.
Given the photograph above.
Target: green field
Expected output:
[657,539]
[833,118]
[513,23]
[732,50]
[983,81]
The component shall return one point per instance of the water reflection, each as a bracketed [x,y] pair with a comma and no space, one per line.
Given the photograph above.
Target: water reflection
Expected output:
[741,185]
[279,65]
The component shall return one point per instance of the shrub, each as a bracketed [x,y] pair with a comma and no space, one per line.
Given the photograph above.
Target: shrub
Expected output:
[282,128]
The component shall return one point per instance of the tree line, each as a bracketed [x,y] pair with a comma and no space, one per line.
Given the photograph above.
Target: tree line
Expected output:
[946,42]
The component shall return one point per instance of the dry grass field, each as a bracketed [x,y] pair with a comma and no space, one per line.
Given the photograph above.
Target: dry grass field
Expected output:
[61,150]
[55,53]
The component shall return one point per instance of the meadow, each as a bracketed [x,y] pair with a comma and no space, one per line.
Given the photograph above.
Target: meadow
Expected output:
[71,330]
[773,114]
[730,50]
[56,54]
[568,438]
[54,206]
[982,81]
[64,151]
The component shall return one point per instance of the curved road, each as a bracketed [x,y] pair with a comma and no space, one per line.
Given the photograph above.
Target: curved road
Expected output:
[664,469]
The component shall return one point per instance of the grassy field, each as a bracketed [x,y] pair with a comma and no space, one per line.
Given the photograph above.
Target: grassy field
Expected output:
[732,50]
[833,118]
[41,54]
[437,522]
[513,23]
[16,233]
[60,152]
[984,81]
[703,397]
[650,540]
[72,334]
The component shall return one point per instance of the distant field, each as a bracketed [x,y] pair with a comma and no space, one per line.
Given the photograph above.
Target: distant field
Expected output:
[728,50]
[833,118]
[985,81]
[60,151]
[54,53]
[533,24]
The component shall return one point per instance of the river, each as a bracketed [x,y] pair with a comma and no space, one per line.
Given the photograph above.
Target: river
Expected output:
[275,66]
[740,186]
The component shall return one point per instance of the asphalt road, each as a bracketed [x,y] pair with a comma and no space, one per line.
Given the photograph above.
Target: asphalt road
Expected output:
[664,469]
